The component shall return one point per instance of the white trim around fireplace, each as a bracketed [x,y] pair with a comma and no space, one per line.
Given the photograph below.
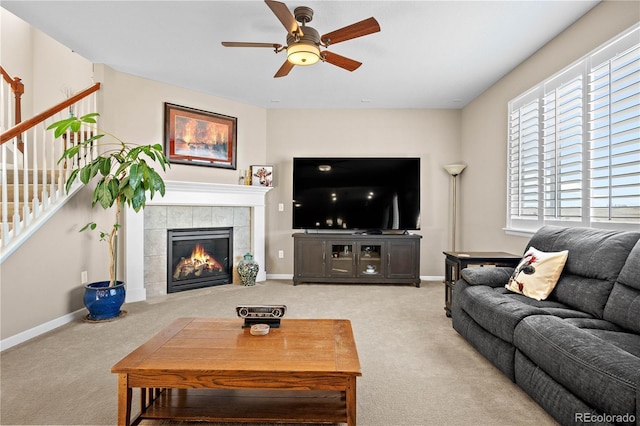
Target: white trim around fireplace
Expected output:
[192,194]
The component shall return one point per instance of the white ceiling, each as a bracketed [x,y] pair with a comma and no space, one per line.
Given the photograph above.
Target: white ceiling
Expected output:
[429,54]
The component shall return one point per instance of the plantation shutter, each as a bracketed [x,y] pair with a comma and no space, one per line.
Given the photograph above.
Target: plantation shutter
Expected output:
[614,128]
[562,146]
[523,162]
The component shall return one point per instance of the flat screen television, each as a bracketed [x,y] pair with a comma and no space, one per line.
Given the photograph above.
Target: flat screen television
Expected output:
[367,194]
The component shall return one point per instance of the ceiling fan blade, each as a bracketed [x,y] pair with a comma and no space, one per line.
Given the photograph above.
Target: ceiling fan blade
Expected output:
[249,44]
[284,69]
[285,16]
[341,61]
[359,29]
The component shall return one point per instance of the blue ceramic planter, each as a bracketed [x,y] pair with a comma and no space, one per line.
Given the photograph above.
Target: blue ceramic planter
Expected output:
[102,301]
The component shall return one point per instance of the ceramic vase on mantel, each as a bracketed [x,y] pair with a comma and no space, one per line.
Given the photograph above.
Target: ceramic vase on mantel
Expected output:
[248,270]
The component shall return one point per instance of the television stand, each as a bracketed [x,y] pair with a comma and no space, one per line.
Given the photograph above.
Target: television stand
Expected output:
[356,258]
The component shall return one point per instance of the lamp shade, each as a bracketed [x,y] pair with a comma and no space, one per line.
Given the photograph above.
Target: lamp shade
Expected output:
[303,53]
[455,169]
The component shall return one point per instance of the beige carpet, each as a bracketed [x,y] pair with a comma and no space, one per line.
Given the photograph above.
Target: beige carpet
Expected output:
[416,370]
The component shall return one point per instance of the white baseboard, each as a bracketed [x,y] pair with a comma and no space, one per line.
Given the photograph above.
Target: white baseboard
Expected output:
[41,329]
[290,277]
[279,276]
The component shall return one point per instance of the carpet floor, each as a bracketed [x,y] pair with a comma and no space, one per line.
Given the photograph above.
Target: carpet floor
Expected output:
[416,370]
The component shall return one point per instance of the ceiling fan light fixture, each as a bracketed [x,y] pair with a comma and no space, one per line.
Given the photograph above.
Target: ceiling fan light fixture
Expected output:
[303,53]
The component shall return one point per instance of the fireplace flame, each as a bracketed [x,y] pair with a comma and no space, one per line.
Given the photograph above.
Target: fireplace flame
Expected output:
[198,263]
[199,255]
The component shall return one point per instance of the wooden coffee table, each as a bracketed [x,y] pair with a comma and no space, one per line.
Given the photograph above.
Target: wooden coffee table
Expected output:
[206,369]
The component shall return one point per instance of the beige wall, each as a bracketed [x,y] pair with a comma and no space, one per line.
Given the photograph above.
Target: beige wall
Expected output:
[484,125]
[40,282]
[133,108]
[45,66]
[432,135]
[12,56]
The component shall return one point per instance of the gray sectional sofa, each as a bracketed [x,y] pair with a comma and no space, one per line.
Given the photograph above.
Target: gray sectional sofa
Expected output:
[577,353]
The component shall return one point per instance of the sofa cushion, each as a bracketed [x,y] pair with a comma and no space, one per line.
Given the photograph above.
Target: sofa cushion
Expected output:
[595,259]
[590,363]
[537,273]
[623,306]
[499,311]
[493,277]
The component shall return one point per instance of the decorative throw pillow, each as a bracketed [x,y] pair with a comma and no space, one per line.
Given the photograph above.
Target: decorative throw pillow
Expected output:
[537,273]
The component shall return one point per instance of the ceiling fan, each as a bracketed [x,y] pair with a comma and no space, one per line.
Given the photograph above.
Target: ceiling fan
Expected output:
[303,42]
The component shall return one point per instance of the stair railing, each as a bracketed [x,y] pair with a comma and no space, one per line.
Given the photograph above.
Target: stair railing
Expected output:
[32,181]
[11,108]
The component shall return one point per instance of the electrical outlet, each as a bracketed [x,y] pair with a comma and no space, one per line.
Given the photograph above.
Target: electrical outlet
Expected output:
[281,254]
[83,277]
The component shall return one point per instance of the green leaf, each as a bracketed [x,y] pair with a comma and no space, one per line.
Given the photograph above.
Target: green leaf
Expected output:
[124,182]
[105,166]
[127,192]
[88,118]
[61,126]
[71,179]
[119,158]
[114,188]
[139,198]
[69,153]
[91,225]
[133,154]
[102,195]
[86,173]
[157,184]
[124,166]
[135,176]
[92,139]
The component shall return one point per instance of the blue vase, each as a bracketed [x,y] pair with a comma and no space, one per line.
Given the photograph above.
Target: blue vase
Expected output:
[248,270]
[102,301]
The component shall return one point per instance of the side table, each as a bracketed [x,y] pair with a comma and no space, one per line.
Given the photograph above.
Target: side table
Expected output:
[455,261]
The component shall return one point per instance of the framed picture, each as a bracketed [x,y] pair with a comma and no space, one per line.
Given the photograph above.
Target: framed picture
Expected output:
[199,138]
[262,175]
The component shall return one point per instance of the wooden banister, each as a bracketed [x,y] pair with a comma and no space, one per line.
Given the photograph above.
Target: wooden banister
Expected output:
[17,87]
[22,127]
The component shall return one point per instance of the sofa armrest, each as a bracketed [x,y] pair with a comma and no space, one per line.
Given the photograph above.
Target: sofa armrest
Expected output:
[493,277]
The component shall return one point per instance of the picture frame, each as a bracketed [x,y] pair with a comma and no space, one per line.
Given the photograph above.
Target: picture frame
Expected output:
[261,175]
[199,138]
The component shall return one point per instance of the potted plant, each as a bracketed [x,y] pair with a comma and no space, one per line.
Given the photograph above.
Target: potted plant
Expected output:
[124,179]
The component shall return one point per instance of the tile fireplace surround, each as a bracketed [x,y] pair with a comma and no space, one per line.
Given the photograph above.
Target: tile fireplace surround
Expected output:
[186,205]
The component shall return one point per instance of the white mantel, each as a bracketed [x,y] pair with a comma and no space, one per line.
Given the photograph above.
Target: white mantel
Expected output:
[192,194]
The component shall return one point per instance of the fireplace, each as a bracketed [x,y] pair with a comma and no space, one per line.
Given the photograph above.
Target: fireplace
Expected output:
[199,257]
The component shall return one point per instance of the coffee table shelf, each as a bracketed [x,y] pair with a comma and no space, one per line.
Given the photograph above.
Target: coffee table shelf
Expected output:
[248,406]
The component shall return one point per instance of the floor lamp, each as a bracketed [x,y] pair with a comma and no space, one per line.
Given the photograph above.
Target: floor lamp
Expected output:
[454,170]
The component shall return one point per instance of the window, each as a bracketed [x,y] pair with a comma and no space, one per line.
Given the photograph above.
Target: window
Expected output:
[574,144]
